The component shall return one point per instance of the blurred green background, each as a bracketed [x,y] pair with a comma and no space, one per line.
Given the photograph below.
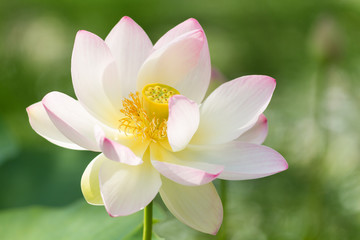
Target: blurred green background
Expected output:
[312,48]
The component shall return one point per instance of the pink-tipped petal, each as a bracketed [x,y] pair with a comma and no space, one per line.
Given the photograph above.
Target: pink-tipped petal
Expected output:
[183,121]
[119,152]
[42,125]
[71,119]
[127,189]
[187,172]
[172,64]
[130,47]
[257,134]
[184,175]
[90,58]
[198,207]
[197,81]
[182,28]
[90,186]
[233,108]
[241,160]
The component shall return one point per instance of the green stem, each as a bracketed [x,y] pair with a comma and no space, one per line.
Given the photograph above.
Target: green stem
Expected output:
[147,231]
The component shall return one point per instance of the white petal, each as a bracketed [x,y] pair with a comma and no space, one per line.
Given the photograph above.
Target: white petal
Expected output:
[189,172]
[172,64]
[91,62]
[241,160]
[257,134]
[182,28]
[183,121]
[71,119]
[130,46]
[197,81]
[198,207]
[119,152]
[232,108]
[90,186]
[127,189]
[42,125]
[184,175]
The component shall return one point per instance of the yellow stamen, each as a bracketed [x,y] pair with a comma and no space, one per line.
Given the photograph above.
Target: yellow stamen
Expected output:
[146,117]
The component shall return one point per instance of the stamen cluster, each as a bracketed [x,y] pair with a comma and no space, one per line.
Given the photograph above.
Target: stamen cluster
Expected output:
[139,123]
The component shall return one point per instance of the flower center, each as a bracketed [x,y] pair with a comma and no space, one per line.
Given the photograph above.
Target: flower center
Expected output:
[146,115]
[156,98]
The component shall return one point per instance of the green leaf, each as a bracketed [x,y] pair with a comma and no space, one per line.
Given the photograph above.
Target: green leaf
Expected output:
[76,221]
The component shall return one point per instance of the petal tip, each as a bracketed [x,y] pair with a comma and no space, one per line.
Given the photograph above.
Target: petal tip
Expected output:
[126,19]
[83,35]
[199,34]
[28,109]
[270,79]
[285,165]
[263,119]
[216,230]
[219,223]
[263,78]
[111,215]
[195,23]
[81,32]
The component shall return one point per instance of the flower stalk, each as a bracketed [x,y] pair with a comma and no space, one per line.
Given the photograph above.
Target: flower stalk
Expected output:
[147,230]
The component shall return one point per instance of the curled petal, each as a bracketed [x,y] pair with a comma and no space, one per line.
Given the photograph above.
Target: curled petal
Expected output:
[127,189]
[184,175]
[171,65]
[233,108]
[119,152]
[256,134]
[187,172]
[42,125]
[90,181]
[71,119]
[198,207]
[189,25]
[196,83]
[183,121]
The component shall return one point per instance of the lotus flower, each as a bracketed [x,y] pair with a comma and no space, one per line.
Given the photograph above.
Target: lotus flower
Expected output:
[141,106]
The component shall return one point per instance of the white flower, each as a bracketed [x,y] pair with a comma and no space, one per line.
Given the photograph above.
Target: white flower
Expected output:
[141,106]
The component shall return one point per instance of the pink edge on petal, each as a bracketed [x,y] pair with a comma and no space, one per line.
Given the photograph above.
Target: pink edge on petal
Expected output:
[285,165]
[195,23]
[75,136]
[185,175]
[199,34]
[84,32]
[127,19]
[183,121]
[114,150]
[110,213]
[111,150]
[263,118]
[221,217]
[182,28]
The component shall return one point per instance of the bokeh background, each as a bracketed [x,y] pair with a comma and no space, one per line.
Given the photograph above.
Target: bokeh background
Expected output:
[312,48]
